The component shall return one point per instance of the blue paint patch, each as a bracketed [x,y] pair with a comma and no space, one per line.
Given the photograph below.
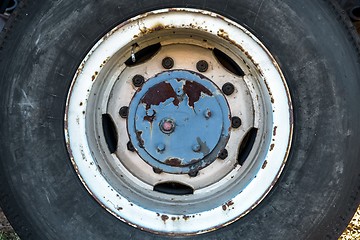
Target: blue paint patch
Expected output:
[179,121]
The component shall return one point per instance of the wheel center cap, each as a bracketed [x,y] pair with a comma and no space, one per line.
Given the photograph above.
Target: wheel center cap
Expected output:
[179,121]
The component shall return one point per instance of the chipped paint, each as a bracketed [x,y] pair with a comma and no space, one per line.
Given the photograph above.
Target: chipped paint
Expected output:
[112,207]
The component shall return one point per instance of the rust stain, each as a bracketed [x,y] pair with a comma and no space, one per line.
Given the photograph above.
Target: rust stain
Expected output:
[149,118]
[94,76]
[230,203]
[272,146]
[264,165]
[159,94]
[157,27]
[186,217]
[173,162]
[139,138]
[227,205]
[164,218]
[274,132]
[193,90]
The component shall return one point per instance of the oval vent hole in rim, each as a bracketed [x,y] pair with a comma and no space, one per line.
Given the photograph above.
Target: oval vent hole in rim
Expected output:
[173,188]
[228,63]
[110,133]
[246,145]
[143,55]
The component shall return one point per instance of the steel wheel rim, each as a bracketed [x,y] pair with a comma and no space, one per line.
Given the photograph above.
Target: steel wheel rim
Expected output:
[108,177]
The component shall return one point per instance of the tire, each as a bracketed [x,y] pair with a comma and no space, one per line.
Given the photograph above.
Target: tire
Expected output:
[314,197]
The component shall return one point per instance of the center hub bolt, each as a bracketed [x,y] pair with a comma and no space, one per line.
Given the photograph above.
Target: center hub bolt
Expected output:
[167,126]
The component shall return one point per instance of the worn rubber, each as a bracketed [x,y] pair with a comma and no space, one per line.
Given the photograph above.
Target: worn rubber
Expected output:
[313,42]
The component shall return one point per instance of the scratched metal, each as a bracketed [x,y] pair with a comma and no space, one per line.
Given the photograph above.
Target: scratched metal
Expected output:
[198,111]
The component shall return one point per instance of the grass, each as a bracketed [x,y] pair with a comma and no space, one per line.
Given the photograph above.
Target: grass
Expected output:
[8,236]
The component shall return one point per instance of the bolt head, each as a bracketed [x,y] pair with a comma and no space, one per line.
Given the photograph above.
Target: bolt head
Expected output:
[228,88]
[235,122]
[202,66]
[138,80]
[124,112]
[223,154]
[168,63]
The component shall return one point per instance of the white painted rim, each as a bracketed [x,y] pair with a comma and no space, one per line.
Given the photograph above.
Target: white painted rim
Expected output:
[163,222]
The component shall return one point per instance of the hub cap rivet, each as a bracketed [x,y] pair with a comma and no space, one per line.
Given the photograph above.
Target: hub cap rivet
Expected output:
[228,88]
[179,92]
[202,66]
[235,122]
[150,112]
[196,147]
[124,111]
[207,114]
[168,63]
[160,147]
[223,154]
[138,80]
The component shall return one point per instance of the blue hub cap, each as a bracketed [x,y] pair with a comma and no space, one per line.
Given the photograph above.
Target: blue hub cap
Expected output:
[179,121]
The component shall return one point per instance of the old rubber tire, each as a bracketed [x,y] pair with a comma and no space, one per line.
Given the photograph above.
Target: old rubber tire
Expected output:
[316,194]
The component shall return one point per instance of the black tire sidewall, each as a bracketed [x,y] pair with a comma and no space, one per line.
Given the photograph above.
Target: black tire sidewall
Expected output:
[318,189]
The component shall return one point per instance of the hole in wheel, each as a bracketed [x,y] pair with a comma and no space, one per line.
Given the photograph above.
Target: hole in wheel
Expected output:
[228,63]
[143,55]
[173,188]
[110,132]
[246,145]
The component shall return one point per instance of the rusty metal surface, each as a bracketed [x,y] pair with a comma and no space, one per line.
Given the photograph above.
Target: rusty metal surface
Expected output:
[180,101]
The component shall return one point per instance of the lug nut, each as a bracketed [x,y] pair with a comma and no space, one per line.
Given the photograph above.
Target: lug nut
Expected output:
[157,170]
[223,154]
[196,147]
[160,148]
[168,63]
[138,80]
[235,122]
[228,88]
[202,66]
[124,111]
[130,147]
